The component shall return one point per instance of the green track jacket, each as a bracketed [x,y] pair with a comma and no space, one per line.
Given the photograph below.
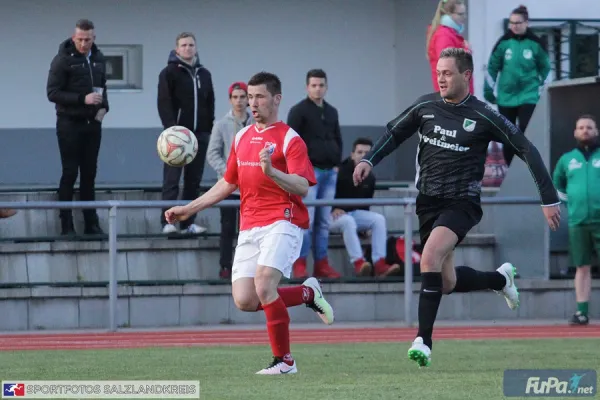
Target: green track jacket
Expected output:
[523,65]
[577,179]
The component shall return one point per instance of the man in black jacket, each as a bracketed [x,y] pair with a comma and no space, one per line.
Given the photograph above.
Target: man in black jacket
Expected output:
[316,121]
[186,98]
[349,220]
[77,85]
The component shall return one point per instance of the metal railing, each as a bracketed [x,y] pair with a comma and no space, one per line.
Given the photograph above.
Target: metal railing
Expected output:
[114,205]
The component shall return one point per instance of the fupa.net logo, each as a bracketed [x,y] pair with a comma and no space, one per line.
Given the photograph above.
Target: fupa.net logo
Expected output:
[556,386]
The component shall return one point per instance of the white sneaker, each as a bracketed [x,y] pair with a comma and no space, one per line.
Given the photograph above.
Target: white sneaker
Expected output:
[319,304]
[278,367]
[194,229]
[420,353]
[510,291]
[169,228]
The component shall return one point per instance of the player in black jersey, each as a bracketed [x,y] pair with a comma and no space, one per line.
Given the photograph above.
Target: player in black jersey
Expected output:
[455,129]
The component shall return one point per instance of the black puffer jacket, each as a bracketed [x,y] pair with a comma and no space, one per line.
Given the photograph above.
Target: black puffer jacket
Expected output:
[71,78]
[186,96]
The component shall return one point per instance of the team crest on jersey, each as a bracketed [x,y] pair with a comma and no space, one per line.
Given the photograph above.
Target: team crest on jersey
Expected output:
[271,146]
[469,125]
[287,213]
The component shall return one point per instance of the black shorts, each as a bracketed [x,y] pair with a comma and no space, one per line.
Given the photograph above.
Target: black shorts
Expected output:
[458,215]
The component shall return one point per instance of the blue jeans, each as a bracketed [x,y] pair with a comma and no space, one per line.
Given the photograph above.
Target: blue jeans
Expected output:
[321,217]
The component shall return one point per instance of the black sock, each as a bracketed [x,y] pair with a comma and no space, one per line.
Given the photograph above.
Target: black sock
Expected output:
[429,302]
[471,280]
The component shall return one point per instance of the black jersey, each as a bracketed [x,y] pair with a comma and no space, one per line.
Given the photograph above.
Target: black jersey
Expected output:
[453,146]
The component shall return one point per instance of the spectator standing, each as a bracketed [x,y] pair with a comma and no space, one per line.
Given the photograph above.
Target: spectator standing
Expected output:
[445,31]
[577,179]
[219,145]
[521,60]
[317,123]
[77,85]
[350,220]
[186,98]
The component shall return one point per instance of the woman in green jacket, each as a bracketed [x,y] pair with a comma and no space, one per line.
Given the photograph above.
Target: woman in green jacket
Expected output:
[523,64]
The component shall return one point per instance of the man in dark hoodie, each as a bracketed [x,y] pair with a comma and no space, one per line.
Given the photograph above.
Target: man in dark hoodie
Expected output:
[77,85]
[350,220]
[186,98]
[316,121]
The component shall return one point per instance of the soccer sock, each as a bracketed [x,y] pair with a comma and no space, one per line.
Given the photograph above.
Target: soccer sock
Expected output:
[471,280]
[583,308]
[278,327]
[429,302]
[294,296]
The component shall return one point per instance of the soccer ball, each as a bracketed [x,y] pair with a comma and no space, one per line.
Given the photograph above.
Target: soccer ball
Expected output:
[177,146]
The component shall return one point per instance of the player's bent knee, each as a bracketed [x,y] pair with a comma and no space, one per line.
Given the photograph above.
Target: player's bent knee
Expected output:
[266,282]
[448,284]
[244,295]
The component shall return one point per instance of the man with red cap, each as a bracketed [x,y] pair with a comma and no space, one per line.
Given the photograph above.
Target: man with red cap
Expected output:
[217,154]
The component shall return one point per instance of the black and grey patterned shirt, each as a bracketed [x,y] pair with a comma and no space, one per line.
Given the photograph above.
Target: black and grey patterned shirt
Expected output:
[453,146]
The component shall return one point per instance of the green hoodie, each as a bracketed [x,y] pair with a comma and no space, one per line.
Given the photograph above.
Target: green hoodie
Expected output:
[523,64]
[577,179]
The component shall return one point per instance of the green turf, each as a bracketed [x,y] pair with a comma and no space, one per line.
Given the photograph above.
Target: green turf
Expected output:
[459,370]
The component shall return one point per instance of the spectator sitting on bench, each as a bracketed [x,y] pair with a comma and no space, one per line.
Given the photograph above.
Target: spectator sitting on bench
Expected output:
[350,220]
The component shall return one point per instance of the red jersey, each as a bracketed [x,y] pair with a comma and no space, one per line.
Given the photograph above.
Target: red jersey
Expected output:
[263,202]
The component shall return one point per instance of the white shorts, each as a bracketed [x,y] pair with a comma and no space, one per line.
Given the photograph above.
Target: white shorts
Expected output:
[276,246]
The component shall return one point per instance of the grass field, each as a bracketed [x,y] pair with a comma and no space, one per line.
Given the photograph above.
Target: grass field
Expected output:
[471,368]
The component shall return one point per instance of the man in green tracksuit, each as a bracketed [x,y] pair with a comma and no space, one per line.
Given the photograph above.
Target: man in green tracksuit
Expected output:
[577,178]
[523,64]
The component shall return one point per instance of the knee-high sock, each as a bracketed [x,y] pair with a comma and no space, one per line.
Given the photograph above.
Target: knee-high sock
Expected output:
[278,328]
[294,296]
[471,280]
[429,302]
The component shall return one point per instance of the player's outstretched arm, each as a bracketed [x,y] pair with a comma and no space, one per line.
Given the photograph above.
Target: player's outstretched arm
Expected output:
[397,131]
[215,194]
[510,135]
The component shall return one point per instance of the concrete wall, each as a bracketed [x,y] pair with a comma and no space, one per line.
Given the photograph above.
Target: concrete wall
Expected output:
[165,306]
[371,78]
[149,260]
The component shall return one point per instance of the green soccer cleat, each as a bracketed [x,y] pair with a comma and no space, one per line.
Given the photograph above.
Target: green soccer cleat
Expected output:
[319,304]
[420,353]
[509,291]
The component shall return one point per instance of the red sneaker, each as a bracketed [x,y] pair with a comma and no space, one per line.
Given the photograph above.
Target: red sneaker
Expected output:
[362,267]
[299,269]
[324,270]
[384,269]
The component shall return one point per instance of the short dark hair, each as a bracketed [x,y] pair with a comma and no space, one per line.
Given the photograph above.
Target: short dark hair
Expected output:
[184,35]
[362,141]
[84,24]
[271,81]
[586,116]
[315,73]
[463,58]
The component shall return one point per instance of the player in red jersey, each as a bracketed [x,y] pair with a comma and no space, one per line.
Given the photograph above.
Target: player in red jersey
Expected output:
[269,163]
